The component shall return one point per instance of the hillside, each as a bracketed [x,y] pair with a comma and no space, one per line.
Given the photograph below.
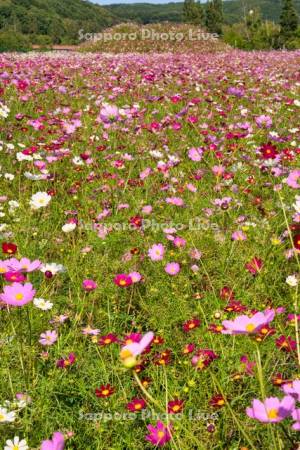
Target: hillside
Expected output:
[163,37]
[233,10]
[57,21]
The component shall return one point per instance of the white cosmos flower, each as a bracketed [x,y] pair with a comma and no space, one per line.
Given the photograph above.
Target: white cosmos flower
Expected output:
[53,268]
[291,280]
[16,444]
[43,304]
[7,416]
[33,177]
[21,157]
[297,102]
[40,200]
[68,227]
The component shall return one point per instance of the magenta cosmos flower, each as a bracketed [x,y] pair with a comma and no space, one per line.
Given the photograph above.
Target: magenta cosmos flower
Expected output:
[159,434]
[272,409]
[129,352]
[56,443]
[292,179]
[246,325]
[123,280]
[156,252]
[89,285]
[172,268]
[17,294]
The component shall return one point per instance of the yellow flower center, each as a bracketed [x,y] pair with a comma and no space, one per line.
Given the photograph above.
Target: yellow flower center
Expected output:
[160,434]
[2,417]
[19,296]
[250,327]
[125,353]
[105,392]
[272,413]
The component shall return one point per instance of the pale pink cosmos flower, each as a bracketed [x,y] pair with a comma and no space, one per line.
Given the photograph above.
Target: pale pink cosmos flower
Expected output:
[147,209]
[135,276]
[292,389]
[296,417]
[48,337]
[248,325]
[172,268]
[292,179]
[195,154]
[263,121]
[272,409]
[108,114]
[17,294]
[56,443]
[23,265]
[238,236]
[156,252]
[176,201]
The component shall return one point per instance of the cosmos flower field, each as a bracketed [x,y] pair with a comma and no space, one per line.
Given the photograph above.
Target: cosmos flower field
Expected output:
[150,233]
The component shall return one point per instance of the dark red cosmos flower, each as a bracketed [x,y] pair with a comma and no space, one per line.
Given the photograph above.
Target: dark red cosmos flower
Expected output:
[136,221]
[226,293]
[268,151]
[296,241]
[163,358]
[254,266]
[188,348]
[104,391]
[9,248]
[63,363]
[175,406]
[136,405]
[217,401]
[264,332]
[215,328]
[146,381]
[158,340]
[279,380]
[235,306]
[203,358]
[108,339]
[191,325]
[286,344]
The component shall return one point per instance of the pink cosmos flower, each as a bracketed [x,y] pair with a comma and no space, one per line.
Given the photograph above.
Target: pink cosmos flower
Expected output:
[195,154]
[296,417]
[135,276]
[263,121]
[48,338]
[292,179]
[17,294]
[89,285]
[176,201]
[3,267]
[147,209]
[238,236]
[109,113]
[172,268]
[130,351]
[23,265]
[56,443]
[293,389]
[272,409]
[159,434]
[246,325]
[179,242]
[156,252]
